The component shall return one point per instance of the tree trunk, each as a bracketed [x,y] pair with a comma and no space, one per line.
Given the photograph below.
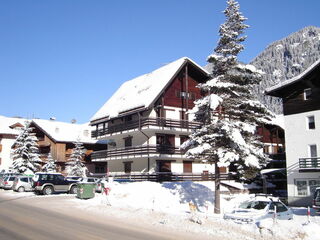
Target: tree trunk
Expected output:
[217,190]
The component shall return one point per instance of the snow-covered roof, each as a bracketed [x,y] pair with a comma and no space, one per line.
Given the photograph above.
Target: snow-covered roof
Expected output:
[7,122]
[294,79]
[65,132]
[140,92]
[278,120]
[271,170]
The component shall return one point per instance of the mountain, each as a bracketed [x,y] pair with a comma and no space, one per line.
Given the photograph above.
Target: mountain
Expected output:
[284,59]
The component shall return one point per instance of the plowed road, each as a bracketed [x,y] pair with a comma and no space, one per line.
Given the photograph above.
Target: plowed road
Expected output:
[29,218]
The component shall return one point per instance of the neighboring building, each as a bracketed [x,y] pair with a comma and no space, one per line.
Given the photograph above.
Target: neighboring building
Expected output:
[59,138]
[9,130]
[301,106]
[274,146]
[147,120]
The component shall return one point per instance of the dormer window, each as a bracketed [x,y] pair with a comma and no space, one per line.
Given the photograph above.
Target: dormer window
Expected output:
[307,94]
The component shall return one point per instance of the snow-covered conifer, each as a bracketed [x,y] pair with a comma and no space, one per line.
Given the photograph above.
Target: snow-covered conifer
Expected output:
[50,165]
[75,166]
[25,151]
[228,110]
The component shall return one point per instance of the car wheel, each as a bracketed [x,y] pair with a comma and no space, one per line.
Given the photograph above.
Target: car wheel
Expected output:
[21,189]
[73,190]
[47,190]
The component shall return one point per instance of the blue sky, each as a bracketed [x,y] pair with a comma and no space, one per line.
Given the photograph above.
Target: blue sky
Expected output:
[65,58]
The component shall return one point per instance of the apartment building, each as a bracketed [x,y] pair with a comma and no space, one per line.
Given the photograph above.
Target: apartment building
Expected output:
[146,121]
[301,106]
[9,130]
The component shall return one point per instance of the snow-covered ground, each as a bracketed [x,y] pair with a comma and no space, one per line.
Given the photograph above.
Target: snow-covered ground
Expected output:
[167,206]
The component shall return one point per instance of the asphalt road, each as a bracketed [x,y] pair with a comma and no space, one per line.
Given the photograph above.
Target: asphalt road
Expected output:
[24,221]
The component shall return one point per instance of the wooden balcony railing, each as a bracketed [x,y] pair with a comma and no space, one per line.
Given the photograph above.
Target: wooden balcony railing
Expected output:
[160,122]
[136,151]
[312,162]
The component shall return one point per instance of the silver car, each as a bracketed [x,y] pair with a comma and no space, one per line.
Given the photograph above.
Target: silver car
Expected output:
[258,208]
[8,182]
[22,184]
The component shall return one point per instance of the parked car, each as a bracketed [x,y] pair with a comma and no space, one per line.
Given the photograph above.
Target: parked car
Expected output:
[22,184]
[8,182]
[93,180]
[49,183]
[316,200]
[5,176]
[260,207]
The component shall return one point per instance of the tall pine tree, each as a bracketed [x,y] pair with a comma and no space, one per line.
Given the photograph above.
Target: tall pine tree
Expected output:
[26,152]
[228,112]
[75,166]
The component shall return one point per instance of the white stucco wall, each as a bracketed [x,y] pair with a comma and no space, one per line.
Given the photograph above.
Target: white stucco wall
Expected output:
[5,154]
[298,138]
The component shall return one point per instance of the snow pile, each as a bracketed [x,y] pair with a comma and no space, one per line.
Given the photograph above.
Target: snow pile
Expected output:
[169,204]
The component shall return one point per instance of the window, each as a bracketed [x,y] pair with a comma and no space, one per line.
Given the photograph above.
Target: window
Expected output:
[24,179]
[183,139]
[313,184]
[302,188]
[190,95]
[100,168]
[311,122]
[313,151]
[127,167]
[279,205]
[128,141]
[307,94]
[306,187]
[128,118]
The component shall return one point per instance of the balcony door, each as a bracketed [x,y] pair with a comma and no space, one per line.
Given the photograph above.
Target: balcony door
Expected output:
[163,166]
[187,167]
[313,155]
[165,143]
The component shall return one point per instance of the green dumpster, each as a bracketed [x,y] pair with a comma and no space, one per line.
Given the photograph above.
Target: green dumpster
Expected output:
[86,190]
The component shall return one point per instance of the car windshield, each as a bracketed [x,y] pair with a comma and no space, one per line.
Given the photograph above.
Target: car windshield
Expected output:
[258,205]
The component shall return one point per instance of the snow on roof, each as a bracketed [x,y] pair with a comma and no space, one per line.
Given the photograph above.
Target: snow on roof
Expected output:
[140,92]
[65,132]
[271,170]
[294,79]
[6,122]
[278,120]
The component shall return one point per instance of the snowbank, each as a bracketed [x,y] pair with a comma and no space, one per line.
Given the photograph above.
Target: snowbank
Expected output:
[187,207]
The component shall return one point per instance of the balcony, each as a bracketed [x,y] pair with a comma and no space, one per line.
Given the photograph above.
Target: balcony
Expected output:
[137,151]
[144,122]
[311,164]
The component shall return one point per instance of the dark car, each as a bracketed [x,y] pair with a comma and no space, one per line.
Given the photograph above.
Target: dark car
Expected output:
[48,183]
[316,200]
